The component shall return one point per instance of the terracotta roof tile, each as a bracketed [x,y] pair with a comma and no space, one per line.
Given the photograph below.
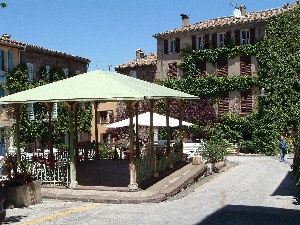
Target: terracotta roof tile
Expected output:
[227,21]
[147,60]
[16,44]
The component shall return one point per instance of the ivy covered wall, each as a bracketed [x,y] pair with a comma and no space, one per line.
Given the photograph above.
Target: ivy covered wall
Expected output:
[279,69]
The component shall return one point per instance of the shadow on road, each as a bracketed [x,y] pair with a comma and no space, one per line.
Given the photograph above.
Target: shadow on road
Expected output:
[13,219]
[287,188]
[252,215]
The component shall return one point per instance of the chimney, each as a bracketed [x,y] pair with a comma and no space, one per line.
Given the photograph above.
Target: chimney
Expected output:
[285,5]
[185,20]
[6,36]
[139,53]
[243,10]
[296,2]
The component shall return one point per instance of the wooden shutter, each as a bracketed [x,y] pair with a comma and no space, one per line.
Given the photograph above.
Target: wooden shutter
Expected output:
[177,45]
[172,70]
[194,42]
[228,38]
[54,111]
[245,65]
[206,41]
[237,37]
[214,40]
[246,102]
[223,104]
[222,67]
[10,61]
[201,66]
[3,79]
[30,111]
[1,60]
[252,36]
[48,72]
[166,48]
[30,72]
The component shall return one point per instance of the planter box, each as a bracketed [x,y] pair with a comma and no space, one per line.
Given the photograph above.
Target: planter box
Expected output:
[23,196]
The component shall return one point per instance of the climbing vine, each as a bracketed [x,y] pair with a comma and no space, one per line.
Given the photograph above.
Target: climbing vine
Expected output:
[279,69]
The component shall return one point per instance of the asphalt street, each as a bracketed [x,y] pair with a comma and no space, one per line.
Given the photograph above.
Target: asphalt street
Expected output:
[257,190]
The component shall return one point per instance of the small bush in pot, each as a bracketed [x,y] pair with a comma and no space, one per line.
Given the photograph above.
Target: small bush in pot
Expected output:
[214,151]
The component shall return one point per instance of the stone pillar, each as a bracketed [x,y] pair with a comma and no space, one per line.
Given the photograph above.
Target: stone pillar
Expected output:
[132,169]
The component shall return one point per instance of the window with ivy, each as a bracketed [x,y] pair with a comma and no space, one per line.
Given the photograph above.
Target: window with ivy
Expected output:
[246,102]
[223,106]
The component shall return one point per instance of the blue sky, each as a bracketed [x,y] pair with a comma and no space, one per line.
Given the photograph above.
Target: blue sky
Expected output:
[108,31]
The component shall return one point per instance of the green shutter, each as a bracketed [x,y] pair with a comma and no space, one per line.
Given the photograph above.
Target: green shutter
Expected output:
[1,60]
[10,61]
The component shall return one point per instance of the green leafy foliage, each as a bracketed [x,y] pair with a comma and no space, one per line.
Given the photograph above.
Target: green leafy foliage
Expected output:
[279,69]
[215,150]
[30,130]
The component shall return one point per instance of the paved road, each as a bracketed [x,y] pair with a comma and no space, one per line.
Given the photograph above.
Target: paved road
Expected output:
[259,190]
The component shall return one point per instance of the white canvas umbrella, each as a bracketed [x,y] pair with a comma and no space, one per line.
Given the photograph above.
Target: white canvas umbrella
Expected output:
[144,120]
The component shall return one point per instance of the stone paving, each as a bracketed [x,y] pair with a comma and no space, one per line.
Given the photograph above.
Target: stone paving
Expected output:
[96,191]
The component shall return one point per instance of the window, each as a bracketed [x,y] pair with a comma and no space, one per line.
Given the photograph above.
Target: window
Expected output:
[104,117]
[245,37]
[246,102]
[6,60]
[133,73]
[223,106]
[30,72]
[222,67]
[221,40]
[200,42]
[172,70]
[245,65]
[201,66]
[172,46]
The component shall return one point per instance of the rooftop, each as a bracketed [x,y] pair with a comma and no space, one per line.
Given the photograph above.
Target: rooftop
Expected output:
[228,21]
[147,60]
[7,41]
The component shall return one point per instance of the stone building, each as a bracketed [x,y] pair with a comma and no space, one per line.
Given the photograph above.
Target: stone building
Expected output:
[14,53]
[242,28]
[143,67]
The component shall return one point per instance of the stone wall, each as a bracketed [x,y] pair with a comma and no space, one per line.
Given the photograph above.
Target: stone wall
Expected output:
[146,73]
[41,59]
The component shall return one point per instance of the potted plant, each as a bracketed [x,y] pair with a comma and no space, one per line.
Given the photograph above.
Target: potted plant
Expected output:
[214,151]
[19,187]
